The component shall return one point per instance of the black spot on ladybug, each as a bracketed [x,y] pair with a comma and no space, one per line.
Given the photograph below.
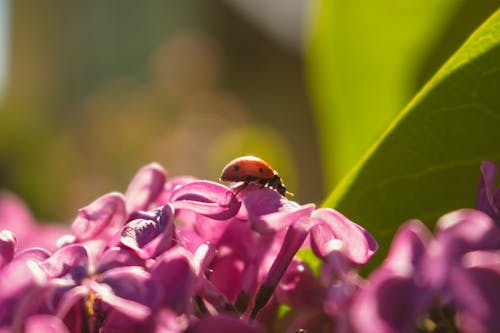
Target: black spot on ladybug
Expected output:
[261,170]
[236,167]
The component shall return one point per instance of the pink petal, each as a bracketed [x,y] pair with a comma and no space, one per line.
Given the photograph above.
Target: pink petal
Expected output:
[102,218]
[174,274]
[260,201]
[300,289]
[282,219]
[72,259]
[7,247]
[295,236]
[35,254]
[134,310]
[391,301]
[457,233]
[150,237]
[118,257]
[206,198]
[477,293]
[168,322]
[145,187]
[70,298]
[131,283]
[171,186]
[408,247]
[214,296]
[388,303]
[482,259]
[357,244]
[45,324]
[21,290]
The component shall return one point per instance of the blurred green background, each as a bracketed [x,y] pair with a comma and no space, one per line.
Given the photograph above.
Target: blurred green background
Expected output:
[93,90]
[96,89]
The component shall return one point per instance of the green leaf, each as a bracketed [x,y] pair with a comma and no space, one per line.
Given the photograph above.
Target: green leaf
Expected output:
[366,59]
[427,162]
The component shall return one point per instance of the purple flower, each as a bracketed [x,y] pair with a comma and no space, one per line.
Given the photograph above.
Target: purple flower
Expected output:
[450,280]
[84,295]
[296,234]
[394,297]
[488,197]
[321,304]
[104,217]
[82,273]
[122,219]
[182,255]
[463,266]
[477,293]
[23,283]
[252,249]
[166,290]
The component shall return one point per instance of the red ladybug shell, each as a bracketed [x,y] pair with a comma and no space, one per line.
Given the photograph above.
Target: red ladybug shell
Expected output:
[247,168]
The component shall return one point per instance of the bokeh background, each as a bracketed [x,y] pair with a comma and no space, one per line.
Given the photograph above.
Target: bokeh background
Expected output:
[90,91]
[93,90]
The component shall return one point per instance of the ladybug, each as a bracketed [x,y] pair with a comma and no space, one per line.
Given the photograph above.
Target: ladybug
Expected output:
[248,169]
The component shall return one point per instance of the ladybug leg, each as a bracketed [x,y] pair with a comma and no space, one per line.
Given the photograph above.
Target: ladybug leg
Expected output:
[263,183]
[277,184]
[240,187]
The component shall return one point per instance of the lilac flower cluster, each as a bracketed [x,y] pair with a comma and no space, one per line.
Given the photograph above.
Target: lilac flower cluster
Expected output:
[184,255]
[446,282]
